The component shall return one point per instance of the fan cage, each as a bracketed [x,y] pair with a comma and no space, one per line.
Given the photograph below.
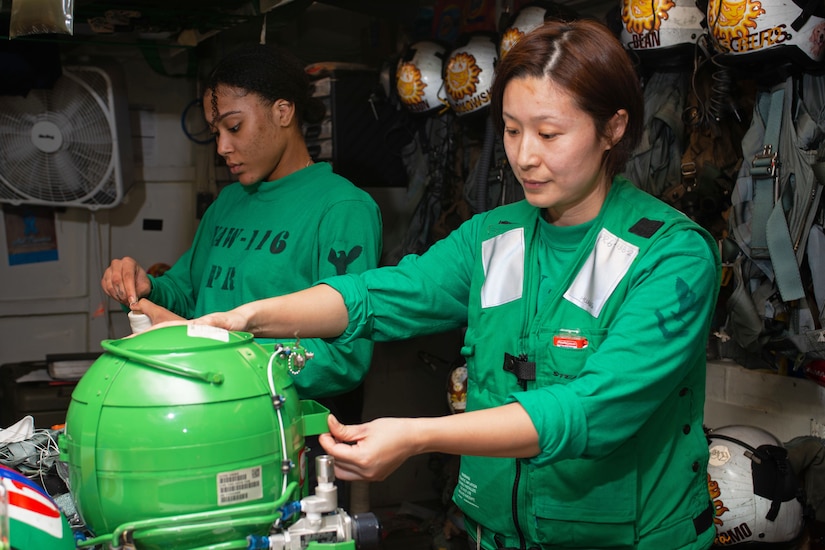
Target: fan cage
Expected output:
[68,146]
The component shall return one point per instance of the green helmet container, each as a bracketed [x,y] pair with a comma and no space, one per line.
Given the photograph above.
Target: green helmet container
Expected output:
[189,431]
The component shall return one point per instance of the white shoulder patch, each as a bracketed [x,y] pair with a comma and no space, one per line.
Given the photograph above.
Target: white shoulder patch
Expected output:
[503,261]
[608,263]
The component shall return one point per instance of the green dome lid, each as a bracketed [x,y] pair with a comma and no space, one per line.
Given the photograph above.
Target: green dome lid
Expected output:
[178,365]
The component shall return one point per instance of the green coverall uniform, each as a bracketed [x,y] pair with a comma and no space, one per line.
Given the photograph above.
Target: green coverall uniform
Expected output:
[599,331]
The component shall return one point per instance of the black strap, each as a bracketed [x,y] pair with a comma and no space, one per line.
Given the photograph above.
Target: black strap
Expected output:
[524,370]
[773,477]
[704,521]
[808,10]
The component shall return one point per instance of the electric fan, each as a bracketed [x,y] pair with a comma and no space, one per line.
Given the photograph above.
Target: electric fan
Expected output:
[69,145]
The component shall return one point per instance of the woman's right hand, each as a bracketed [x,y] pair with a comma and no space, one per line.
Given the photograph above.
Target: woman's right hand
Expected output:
[370,451]
[125,281]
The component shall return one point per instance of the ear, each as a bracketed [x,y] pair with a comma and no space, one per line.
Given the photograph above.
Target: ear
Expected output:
[283,112]
[616,126]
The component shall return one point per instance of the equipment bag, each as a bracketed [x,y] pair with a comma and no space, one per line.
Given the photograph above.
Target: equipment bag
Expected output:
[716,118]
[777,268]
[690,151]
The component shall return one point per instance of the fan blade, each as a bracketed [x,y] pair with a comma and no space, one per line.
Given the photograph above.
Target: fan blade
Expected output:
[72,157]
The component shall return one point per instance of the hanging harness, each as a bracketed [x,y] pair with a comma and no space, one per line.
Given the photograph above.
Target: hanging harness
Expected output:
[776,207]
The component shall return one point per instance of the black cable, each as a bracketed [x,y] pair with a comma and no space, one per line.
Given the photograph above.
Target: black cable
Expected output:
[712,435]
[521,541]
[194,103]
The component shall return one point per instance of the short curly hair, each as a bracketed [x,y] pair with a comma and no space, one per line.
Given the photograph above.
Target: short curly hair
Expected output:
[269,71]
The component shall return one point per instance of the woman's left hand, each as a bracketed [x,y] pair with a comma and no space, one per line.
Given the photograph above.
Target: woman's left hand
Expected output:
[229,320]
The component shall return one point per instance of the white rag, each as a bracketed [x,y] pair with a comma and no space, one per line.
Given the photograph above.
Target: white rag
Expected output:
[20,431]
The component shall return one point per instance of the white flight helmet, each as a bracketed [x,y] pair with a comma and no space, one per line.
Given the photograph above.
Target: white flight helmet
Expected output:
[753,487]
[767,31]
[530,17]
[418,77]
[662,33]
[469,72]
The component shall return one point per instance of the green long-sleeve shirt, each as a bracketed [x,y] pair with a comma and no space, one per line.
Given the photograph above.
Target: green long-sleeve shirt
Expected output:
[274,238]
[623,459]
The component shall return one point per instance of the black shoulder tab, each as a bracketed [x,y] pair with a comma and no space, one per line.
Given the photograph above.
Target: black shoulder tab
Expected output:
[646,228]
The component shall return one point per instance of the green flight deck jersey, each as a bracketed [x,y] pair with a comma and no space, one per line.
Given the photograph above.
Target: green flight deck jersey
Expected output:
[277,237]
[599,331]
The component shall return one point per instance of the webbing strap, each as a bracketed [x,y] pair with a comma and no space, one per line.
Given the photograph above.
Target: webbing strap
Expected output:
[763,198]
[763,170]
[777,234]
[783,257]
[770,235]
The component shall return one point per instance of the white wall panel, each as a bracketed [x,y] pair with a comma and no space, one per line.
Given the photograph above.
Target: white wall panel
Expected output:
[156,224]
[32,337]
[787,407]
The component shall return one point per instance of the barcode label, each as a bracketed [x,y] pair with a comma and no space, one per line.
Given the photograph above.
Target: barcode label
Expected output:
[240,486]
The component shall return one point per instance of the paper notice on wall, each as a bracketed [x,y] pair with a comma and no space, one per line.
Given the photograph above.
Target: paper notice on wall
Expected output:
[30,234]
